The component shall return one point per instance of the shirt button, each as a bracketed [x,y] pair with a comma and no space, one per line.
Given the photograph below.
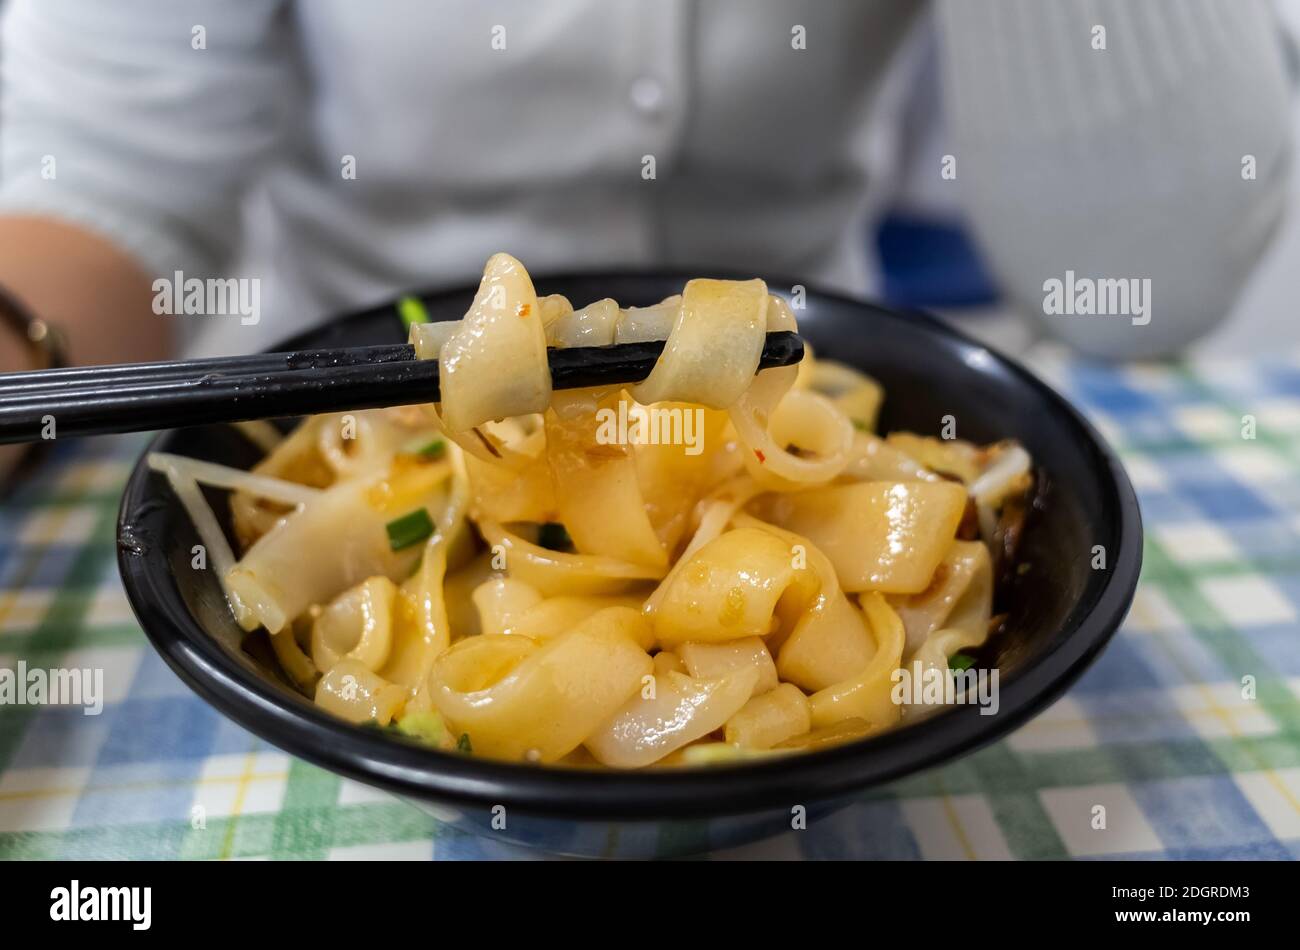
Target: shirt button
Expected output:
[647,95]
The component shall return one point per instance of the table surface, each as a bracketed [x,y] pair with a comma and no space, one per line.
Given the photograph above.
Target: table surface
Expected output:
[1186,731]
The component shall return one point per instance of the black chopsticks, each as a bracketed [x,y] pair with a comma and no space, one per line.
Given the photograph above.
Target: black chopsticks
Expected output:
[139,397]
[42,379]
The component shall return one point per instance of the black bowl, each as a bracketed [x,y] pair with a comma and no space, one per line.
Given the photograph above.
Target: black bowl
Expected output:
[1062,611]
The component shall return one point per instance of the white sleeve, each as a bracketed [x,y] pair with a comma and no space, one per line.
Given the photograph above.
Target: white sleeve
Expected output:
[1123,162]
[140,120]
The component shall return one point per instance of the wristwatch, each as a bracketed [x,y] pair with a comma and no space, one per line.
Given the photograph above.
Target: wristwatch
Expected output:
[45,344]
[43,339]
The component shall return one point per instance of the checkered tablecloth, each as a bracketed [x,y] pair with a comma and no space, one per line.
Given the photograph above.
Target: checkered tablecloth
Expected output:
[1159,731]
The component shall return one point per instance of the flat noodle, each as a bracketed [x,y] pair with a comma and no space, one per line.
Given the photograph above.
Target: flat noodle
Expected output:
[521,699]
[558,572]
[598,491]
[887,536]
[593,325]
[711,565]
[811,420]
[186,487]
[866,694]
[714,347]
[494,365]
[960,594]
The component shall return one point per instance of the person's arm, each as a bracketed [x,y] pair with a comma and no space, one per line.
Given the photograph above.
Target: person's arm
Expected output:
[1123,162]
[101,310]
[128,132]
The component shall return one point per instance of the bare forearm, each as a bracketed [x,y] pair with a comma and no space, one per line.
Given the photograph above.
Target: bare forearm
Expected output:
[97,295]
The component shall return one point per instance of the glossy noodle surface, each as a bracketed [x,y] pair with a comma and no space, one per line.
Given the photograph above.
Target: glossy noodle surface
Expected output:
[714,564]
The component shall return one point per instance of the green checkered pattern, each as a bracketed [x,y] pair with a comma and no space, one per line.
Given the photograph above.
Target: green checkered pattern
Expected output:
[1185,735]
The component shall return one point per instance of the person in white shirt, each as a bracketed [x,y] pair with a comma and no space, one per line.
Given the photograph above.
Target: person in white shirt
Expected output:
[343,152]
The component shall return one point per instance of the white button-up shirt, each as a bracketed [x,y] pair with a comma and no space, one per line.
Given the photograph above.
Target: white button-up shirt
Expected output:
[354,149]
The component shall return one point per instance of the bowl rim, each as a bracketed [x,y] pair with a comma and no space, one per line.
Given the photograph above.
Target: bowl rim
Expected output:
[298,727]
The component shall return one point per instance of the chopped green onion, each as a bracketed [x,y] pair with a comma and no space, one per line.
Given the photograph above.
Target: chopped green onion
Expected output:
[427,727]
[412,311]
[553,536]
[961,661]
[463,744]
[409,529]
[861,426]
[434,449]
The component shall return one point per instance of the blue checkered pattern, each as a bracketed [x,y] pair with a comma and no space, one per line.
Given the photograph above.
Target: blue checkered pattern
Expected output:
[1185,735]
